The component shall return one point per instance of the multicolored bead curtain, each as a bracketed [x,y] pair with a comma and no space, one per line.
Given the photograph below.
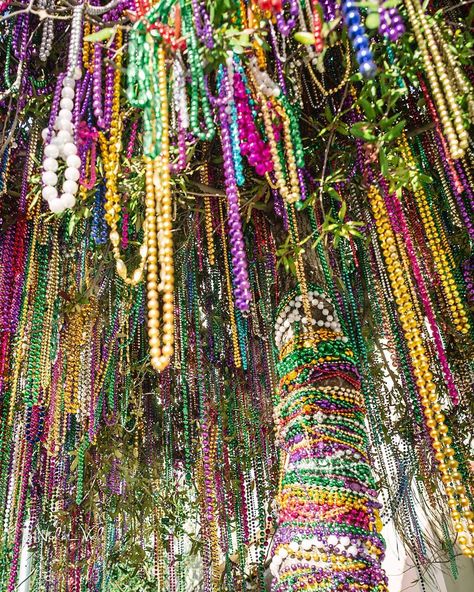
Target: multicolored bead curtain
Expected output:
[236,290]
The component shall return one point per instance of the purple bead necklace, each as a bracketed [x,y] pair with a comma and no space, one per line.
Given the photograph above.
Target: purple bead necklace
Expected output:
[236,238]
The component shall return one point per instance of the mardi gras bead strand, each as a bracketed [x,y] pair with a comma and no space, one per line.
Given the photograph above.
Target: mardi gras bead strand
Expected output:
[438,251]
[110,149]
[199,93]
[16,86]
[233,323]
[391,24]
[294,194]
[53,284]
[359,39]
[236,238]
[61,144]
[23,321]
[444,93]
[159,238]
[204,177]
[447,168]
[317,26]
[299,263]
[281,183]
[464,87]
[444,453]
[400,219]
[142,87]
[345,77]
[22,501]
[47,35]
[450,187]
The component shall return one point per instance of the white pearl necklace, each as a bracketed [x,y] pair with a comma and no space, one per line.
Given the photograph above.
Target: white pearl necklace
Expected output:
[293,313]
[311,54]
[229,61]
[60,142]
[179,96]
[47,34]
[264,83]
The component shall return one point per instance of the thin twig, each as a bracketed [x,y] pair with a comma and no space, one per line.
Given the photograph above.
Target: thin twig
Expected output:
[328,147]
[42,13]
[450,8]
[6,142]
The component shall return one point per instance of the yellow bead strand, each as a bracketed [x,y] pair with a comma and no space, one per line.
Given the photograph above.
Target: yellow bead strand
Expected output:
[233,323]
[444,92]
[86,48]
[439,249]
[208,216]
[159,240]
[110,150]
[444,453]
[277,168]
[294,194]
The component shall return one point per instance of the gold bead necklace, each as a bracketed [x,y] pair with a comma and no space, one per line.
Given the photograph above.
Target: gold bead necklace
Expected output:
[159,241]
[345,77]
[110,150]
[442,84]
[233,323]
[439,247]
[441,442]
[208,215]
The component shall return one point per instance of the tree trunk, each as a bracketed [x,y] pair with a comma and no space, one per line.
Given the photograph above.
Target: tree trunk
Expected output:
[327,536]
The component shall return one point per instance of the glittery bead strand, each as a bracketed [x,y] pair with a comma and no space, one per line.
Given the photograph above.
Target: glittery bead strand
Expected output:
[159,238]
[391,24]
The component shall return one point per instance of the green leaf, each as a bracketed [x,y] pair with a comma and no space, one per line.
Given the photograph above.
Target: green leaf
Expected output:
[367,4]
[425,178]
[367,107]
[74,464]
[72,224]
[361,130]
[387,122]
[395,131]
[383,161]
[328,113]
[304,37]
[101,35]
[342,129]
[333,193]
[342,212]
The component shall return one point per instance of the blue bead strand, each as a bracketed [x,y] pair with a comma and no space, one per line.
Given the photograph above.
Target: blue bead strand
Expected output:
[359,39]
